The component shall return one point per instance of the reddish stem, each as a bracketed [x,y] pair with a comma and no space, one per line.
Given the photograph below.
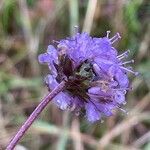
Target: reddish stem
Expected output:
[34,115]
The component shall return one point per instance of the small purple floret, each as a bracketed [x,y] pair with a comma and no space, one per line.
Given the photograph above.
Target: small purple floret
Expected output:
[96,75]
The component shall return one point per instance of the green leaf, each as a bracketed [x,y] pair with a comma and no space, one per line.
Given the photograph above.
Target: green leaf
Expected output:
[147,146]
[130,13]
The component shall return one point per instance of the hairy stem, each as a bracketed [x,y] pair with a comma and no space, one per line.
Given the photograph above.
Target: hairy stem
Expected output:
[34,115]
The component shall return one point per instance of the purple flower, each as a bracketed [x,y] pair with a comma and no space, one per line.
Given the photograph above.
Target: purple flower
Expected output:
[96,75]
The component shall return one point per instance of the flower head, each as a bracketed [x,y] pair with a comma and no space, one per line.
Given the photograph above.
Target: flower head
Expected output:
[96,75]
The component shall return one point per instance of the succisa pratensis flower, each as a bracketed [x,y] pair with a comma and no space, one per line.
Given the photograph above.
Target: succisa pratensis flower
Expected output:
[96,75]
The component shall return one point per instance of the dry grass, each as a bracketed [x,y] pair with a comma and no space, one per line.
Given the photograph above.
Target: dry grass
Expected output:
[26,28]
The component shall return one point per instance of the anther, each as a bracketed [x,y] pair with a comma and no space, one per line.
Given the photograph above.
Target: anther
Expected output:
[107,35]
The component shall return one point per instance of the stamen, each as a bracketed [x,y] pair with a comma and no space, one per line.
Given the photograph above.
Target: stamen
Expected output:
[107,35]
[76,29]
[62,47]
[125,54]
[122,57]
[129,88]
[128,70]
[54,41]
[131,68]
[115,38]
[127,62]
[124,111]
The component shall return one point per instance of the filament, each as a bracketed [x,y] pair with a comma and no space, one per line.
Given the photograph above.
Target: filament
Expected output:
[127,62]
[128,70]
[115,38]
[107,35]
[125,54]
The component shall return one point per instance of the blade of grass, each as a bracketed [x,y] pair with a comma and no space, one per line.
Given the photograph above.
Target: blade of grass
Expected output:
[89,16]
[74,14]
[61,145]
[123,126]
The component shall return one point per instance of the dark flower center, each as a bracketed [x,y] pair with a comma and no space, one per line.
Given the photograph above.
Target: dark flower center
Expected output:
[78,79]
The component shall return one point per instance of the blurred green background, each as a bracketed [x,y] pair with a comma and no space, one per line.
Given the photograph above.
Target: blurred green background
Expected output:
[27,27]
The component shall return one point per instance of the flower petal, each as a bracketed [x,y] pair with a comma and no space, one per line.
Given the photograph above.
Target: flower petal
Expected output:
[119,97]
[92,113]
[44,58]
[63,101]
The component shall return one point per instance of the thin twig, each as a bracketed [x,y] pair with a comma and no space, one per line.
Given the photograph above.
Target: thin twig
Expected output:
[123,126]
[77,138]
[142,104]
[63,136]
[142,140]
[3,132]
